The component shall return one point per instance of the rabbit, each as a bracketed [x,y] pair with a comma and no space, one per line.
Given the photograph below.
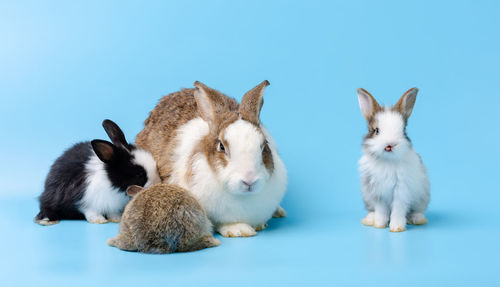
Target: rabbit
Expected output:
[394,180]
[90,179]
[218,150]
[163,218]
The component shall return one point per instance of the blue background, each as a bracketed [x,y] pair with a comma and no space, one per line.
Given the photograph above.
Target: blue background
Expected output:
[67,65]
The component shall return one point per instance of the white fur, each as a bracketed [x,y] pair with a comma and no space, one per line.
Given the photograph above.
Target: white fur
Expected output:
[395,184]
[391,132]
[146,160]
[100,198]
[188,136]
[223,195]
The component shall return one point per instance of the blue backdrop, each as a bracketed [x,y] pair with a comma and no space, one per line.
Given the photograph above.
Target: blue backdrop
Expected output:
[67,65]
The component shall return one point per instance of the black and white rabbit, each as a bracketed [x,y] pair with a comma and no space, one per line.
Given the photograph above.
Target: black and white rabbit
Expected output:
[91,178]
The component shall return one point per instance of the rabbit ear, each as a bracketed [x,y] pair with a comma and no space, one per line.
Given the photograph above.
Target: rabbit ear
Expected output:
[406,102]
[115,133]
[133,190]
[104,150]
[252,102]
[205,99]
[367,104]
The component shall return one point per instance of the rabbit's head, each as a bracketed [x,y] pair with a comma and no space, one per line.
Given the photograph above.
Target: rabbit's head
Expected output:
[236,146]
[125,164]
[386,136]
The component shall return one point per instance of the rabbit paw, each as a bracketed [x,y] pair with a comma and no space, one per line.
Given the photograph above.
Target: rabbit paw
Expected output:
[380,220]
[417,218]
[280,212]
[236,230]
[260,227]
[96,218]
[397,226]
[115,218]
[368,219]
[46,222]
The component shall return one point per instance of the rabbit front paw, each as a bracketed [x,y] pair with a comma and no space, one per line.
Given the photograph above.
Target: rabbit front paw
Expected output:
[95,218]
[397,225]
[368,220]
[115,218]
[236,230]
[380,218]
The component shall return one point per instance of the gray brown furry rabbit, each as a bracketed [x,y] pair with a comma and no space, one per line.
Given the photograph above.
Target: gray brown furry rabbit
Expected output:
[163,218]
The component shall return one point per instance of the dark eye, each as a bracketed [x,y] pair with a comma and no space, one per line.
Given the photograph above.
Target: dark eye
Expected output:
[376,131]
[221,148]
[139,174]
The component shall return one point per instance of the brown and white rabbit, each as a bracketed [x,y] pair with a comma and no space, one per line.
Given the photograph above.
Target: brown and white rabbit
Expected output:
[163,218]
[206,143]
[394,180]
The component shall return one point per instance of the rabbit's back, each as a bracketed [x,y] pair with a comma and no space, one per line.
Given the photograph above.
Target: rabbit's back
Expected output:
[171,112]
[165,214]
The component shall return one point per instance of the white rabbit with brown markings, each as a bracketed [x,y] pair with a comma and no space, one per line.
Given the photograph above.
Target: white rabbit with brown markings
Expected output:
[394,180]
[217,149]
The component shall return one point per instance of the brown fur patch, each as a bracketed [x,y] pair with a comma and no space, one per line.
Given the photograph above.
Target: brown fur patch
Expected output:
[210,141]
[405,104]
[160,128]
[267,158]
[252,102]
[372,125]
[163,219]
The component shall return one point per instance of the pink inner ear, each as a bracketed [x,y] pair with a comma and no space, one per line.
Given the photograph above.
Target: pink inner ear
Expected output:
[365,105]
[133,190]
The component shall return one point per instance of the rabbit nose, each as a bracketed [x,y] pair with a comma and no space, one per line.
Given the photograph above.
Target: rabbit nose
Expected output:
[248,183]
[388,148]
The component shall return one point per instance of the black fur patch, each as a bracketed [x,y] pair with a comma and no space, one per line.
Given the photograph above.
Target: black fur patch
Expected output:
[122,172]
[65,184]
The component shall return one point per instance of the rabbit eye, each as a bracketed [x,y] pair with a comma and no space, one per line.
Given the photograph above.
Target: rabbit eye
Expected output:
[265,144]
[221,148]
[376,131]
[140,174]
